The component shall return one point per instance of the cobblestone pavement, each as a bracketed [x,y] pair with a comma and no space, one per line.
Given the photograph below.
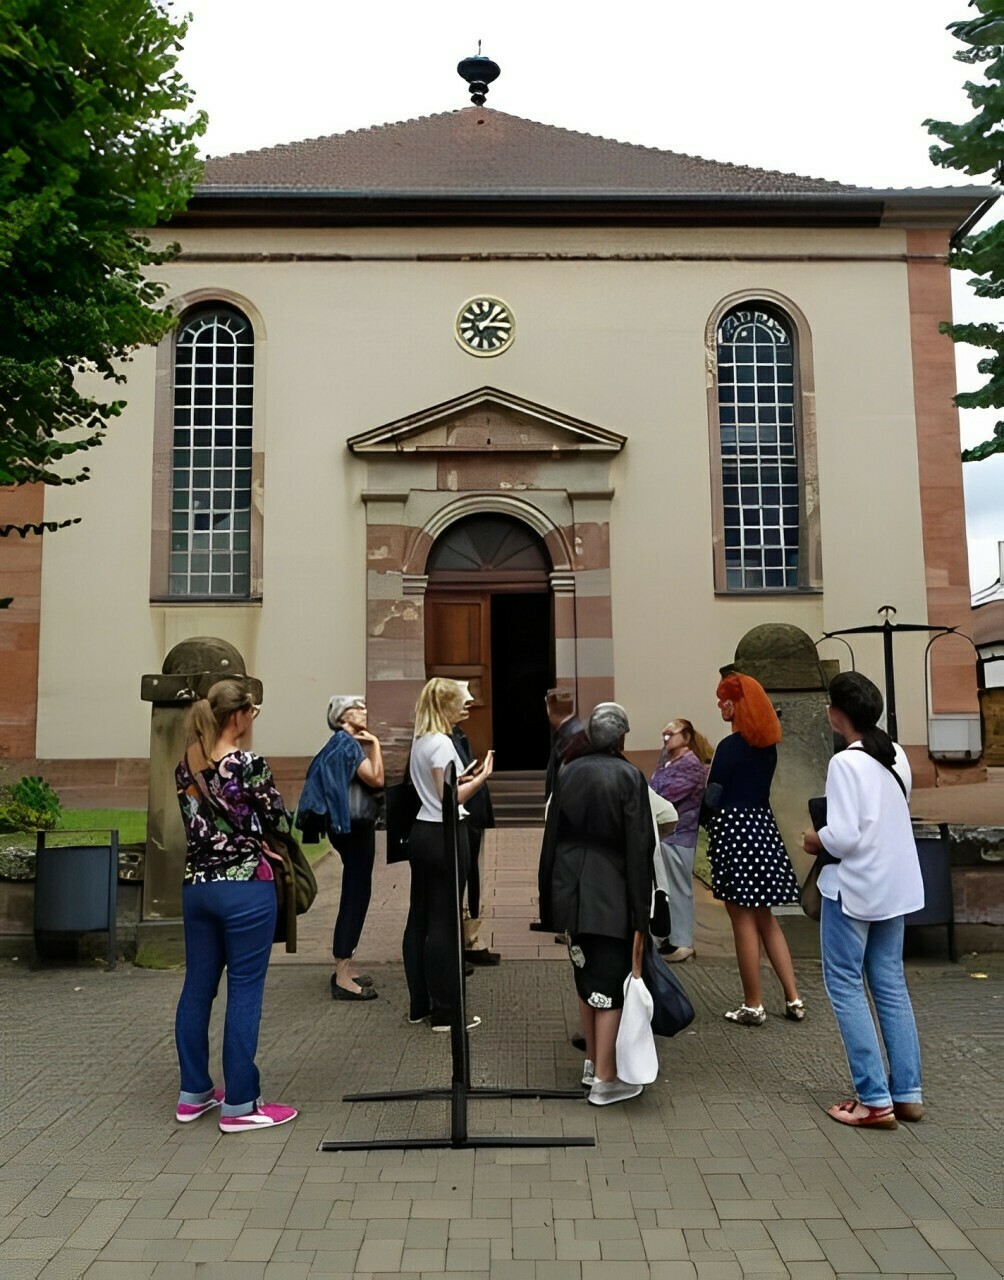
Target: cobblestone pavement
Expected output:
[726,1167]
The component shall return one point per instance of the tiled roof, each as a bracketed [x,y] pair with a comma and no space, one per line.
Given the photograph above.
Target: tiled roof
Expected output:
[478,151]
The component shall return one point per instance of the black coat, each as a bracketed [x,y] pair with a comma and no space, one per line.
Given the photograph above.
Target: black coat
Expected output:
[596,861]
[479,805]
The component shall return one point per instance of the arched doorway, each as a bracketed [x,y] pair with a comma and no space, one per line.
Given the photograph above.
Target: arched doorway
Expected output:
[489,620]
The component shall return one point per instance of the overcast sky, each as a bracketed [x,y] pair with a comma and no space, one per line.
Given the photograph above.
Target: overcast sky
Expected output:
[832,91]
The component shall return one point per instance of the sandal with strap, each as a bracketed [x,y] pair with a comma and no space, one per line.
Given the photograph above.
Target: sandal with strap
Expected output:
[794,1010]
[874,1117]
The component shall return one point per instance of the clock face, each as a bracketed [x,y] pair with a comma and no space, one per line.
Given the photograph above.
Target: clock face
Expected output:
[485,327]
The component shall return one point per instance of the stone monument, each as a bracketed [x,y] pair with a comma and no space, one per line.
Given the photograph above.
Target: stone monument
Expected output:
[189,672]
[783,659]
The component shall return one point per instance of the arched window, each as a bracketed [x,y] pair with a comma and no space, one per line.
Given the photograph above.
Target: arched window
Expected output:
[212,456]
[762,515]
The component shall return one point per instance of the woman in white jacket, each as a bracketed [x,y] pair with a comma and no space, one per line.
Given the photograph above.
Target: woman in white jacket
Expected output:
[873,884]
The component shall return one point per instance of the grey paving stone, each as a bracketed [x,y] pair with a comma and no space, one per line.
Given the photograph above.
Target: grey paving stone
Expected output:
[761,1262]
[810,1271]
[380,1255]
[794,1241]
[664,1244]
[903,1250]
[423,1260]
[533,1243]
[569,1247]
[468,1256]
[622,1250]
[255,1244]
[719,1270]
[68,1264]
[968,1264]
[566,1270]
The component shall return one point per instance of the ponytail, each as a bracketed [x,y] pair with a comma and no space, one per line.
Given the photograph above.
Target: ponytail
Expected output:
[207,718]
[202,727]
[877,743]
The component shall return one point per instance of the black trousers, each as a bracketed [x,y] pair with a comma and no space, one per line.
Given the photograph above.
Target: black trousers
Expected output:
[431,940]
[356,849]
[473,869]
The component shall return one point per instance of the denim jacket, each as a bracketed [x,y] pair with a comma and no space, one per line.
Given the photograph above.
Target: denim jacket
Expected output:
[324,800]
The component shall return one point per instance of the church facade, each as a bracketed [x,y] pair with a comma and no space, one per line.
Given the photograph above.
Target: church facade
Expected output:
[475,396]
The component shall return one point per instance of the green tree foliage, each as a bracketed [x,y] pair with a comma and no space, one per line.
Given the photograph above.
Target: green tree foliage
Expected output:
[977,147]
[96,140]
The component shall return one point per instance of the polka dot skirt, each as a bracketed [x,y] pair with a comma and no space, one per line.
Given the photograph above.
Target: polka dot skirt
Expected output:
[749,865]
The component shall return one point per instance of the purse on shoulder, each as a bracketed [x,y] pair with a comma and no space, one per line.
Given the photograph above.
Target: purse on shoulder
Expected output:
[402,804]
[295,883]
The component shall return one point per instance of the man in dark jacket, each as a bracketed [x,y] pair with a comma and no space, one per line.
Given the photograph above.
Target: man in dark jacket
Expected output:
[480,817]
[595,883]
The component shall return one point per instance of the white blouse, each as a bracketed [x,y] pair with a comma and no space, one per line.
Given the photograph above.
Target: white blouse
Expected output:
[432,751]
[868,828]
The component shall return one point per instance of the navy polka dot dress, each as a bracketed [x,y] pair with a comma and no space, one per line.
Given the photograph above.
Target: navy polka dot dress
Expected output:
[749,864]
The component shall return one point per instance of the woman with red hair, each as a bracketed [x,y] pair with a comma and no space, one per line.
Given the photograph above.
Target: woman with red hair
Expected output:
[750,870]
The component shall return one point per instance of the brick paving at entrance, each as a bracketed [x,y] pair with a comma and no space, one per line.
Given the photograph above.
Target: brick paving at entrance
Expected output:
[726,1167]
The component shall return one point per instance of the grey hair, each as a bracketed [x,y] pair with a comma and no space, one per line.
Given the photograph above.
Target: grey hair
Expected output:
[608,723]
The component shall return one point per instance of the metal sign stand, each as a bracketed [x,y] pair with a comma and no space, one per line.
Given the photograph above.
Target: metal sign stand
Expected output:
[461,1090]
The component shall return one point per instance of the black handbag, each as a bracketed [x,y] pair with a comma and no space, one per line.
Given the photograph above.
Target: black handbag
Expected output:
[402,805]
[809,897]
[673,1010]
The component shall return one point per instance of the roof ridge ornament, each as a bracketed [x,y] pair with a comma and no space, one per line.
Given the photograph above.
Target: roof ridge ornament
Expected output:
[479,71]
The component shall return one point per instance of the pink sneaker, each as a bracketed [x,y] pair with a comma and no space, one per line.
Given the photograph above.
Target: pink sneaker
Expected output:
[264,1116]
[192,1110]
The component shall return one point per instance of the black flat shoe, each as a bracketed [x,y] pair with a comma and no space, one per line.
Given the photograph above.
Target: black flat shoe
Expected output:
[579,1042]
[343,993]
[364,980]
[483,957]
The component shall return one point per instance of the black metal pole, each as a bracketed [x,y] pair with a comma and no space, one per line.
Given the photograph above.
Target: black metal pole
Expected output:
[890,681]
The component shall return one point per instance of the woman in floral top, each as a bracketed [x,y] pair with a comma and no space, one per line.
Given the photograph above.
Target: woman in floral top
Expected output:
[228,906]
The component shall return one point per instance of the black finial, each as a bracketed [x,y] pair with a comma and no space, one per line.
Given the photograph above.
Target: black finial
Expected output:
[479,72]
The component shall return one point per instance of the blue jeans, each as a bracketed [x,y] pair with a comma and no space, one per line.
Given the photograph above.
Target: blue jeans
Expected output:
[228,924]
[853,951]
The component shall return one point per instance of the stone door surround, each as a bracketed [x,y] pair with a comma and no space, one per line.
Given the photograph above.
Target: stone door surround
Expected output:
[487,451]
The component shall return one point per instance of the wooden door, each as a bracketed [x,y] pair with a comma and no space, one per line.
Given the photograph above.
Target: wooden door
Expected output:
[458,645]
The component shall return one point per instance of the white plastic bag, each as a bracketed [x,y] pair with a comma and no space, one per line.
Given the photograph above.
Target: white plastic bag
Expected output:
[637,1060]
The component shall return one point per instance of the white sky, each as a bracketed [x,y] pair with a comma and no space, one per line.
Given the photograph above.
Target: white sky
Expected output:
[831,91]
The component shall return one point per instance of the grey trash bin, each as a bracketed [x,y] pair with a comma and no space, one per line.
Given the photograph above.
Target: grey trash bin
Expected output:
[76,888]
[936,868]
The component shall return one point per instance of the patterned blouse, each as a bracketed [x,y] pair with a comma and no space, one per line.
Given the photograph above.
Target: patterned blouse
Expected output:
[224,838]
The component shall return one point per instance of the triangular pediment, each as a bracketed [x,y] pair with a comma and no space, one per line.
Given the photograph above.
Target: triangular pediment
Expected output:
[487,421]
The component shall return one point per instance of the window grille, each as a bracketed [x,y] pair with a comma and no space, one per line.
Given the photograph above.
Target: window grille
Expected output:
[211,489]
[759,449]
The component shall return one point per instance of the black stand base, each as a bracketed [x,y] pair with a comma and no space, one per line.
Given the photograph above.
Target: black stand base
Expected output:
[461,1090]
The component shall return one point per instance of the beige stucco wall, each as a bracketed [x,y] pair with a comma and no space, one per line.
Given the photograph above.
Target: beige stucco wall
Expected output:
[353,344]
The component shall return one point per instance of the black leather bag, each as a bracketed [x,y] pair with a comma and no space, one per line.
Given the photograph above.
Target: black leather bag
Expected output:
[673,1010]
[809,898]
[402,806]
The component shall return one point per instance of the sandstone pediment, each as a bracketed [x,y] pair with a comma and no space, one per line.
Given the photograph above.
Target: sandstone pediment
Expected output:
[487,421]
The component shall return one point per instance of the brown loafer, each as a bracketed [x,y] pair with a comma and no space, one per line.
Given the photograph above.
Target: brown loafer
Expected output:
[873,1117]
[911,1112]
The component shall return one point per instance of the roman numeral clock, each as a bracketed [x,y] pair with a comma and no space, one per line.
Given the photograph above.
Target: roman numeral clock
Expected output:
[485,327]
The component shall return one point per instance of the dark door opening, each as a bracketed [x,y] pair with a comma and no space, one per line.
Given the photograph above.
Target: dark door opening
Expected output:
[521,671]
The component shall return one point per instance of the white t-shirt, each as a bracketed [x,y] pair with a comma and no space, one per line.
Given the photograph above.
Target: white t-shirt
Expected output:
[868,828]
[432,751]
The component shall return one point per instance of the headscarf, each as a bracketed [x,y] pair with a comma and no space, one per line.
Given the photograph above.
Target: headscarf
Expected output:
[754,718]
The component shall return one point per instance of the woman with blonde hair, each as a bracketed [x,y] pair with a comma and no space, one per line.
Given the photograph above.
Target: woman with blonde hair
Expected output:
[430,936]
[228,906]
[750,870]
